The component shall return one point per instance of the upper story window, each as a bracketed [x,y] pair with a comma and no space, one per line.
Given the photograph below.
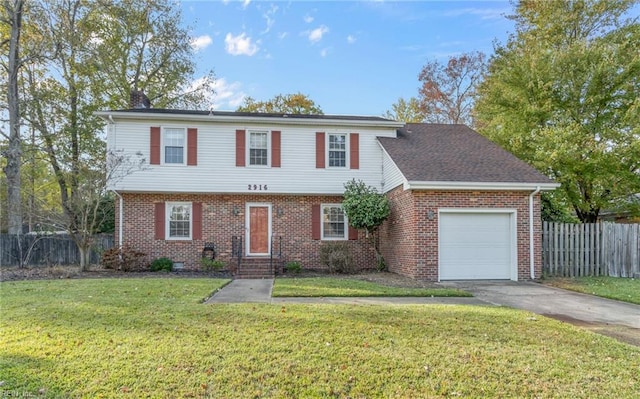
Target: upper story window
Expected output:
[337,151]
[178,220]
[173,146]
[258,148]
[334,223]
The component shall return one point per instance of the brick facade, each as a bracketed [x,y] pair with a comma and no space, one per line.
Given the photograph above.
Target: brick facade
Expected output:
[291,219]
[409,239]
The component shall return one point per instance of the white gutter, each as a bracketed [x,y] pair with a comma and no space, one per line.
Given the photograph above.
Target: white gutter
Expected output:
[531,241]
[480,186]
[284,120]
[120,218]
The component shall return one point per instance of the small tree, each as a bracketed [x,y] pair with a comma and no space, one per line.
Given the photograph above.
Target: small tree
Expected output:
[366,209]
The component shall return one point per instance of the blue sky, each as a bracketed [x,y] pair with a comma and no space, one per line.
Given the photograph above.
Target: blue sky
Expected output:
[350,57]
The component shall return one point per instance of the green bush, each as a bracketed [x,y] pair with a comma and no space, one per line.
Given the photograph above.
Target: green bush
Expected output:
[293,267]
[212,264]
[336,255]
[162,265]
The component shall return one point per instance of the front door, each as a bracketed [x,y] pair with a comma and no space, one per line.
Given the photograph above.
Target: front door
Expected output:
[259,216]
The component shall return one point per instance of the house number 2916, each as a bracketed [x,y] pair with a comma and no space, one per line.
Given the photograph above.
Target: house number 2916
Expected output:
[257,187]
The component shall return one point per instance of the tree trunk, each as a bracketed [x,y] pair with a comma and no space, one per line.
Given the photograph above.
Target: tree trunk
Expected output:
[14,152]
[85,251]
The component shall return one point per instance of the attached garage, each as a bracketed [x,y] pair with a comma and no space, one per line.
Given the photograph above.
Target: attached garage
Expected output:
[477,244]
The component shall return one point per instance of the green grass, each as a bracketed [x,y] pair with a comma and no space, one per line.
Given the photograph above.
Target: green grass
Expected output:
[154,338]
[622,289]
[342,287]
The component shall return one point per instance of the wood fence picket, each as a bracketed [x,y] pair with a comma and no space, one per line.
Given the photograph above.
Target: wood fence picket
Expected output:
[596,249]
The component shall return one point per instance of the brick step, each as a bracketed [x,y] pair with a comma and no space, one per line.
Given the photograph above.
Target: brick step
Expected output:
[255,268]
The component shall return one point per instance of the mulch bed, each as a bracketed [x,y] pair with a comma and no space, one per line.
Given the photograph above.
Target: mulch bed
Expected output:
[73,272]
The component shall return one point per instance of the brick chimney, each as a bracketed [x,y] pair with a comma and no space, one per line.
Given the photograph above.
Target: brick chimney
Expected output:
[138,99]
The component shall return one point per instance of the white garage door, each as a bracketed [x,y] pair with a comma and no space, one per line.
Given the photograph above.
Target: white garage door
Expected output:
[476,246]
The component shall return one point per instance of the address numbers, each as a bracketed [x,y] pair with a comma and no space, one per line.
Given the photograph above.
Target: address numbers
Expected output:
[257,187]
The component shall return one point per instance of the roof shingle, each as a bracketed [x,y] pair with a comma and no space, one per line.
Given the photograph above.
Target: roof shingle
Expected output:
[455,153]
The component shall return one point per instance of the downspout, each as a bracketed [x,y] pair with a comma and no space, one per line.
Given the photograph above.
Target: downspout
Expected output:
[531,242]
[120,218]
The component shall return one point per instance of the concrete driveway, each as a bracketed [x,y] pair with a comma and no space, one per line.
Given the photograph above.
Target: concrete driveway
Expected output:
[553,302]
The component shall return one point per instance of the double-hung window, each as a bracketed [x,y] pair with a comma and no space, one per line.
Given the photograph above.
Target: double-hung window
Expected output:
[334,223]
[174,145]
[337,150]
[179,220]
[258,148]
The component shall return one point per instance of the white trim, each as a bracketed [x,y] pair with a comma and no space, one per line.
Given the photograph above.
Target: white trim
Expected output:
[513,217]
[184,146]
[346,224]
[288,120]
[248,147]
[167,219]
[487,186]
[247,228]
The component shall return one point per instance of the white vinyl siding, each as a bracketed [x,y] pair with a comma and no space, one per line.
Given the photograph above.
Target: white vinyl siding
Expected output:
[391,174]
[334,225]
[174,146]
[216,171]
[178,220]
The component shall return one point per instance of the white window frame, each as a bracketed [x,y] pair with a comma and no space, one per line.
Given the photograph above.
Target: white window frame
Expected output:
[248,150]
[346,223]
[167,221]
[346,150]
[165,130]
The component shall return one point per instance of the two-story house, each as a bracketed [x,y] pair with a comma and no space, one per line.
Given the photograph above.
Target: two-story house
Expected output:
[257,184]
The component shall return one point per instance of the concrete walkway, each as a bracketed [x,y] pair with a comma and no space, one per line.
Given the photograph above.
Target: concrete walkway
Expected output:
[259,291]
[553,302]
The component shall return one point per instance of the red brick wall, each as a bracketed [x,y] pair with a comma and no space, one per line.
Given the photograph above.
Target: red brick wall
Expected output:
[219,224]
[410,239]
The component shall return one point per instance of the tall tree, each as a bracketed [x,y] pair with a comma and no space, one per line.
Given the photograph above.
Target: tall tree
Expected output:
[296,103]
[564,94]
[105,49]
[406,111]
[12,16]
[448,91]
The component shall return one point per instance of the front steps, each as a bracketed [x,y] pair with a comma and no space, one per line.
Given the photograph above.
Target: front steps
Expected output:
[256,267]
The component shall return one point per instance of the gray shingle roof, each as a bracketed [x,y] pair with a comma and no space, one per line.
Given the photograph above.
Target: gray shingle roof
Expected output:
[455,153]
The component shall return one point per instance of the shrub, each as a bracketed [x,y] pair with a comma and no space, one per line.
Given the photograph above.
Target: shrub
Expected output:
[336,255]
[293,267]
[162,265]
[126,259]
[212,264]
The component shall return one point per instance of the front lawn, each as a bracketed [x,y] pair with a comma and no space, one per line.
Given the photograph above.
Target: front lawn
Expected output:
[341,287]
[154,338]
[622,289]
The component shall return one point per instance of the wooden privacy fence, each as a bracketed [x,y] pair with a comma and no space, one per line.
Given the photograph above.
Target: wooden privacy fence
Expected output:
[591,249]
[48,250]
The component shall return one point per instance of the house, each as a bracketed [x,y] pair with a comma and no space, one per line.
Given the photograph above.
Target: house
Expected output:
[265,186]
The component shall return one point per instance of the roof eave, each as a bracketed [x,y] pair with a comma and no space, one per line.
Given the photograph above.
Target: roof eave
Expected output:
[109,116]
[488,186]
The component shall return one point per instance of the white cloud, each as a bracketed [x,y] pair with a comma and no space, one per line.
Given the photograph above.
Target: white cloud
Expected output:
[240,45]
[324,52]
[282,35]
[245,4]
[268,16]
[316,34]
[201,42]
[351,39]
[228,95]
[308,19]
